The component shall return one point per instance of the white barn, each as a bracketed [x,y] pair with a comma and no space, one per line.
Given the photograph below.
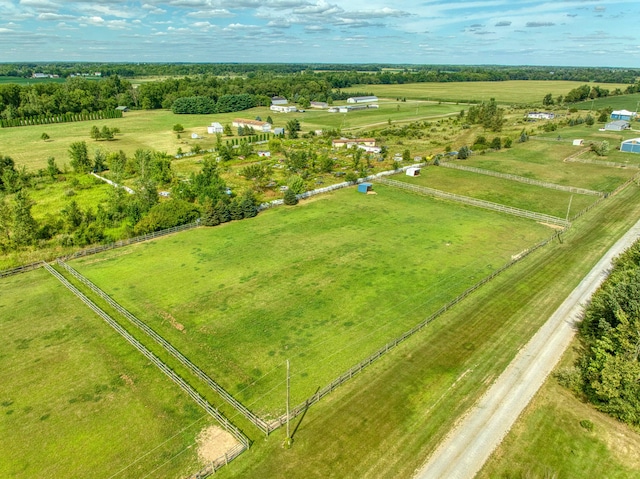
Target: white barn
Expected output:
[362,99]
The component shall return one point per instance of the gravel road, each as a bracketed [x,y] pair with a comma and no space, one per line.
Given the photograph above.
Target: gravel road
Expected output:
[464,451]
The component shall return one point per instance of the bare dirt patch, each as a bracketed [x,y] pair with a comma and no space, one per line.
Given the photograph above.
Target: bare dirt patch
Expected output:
[213,442]
[172,320]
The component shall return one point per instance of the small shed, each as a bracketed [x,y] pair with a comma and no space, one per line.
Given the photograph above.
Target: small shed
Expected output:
[631,146]
[215,128]
[578,142]
[278,131]
[195,136]
[122,108]
[413,171]
[365,187]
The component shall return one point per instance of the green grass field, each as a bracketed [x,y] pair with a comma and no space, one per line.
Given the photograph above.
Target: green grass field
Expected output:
[511,92]
[620,102]
[324,284]
[154,130]
[77,401]
[548,440]
[30,81]
[501,191]
[543,160]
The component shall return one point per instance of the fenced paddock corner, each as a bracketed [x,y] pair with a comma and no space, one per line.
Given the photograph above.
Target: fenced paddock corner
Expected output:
[476,202]
[186,387]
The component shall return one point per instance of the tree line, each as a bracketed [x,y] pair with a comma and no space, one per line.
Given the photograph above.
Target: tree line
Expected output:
[607,372]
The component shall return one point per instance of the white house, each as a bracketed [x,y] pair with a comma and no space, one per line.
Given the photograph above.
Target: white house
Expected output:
[319,104]
[215,128]
[540,115]
[283,108]
[362,99]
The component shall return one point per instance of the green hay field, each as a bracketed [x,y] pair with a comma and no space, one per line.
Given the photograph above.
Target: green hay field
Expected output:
[323,284]
[501,191]
[511,92]
[77,401]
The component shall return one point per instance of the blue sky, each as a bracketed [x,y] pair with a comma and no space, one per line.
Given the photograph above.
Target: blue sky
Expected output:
[519,32]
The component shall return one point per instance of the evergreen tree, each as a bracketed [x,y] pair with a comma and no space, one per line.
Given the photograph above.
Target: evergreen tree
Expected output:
[52,169]
[24,226]
[235,210]
[222,211]
[249,204]
[290,198]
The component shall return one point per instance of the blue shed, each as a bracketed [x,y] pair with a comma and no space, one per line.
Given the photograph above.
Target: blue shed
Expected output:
[365,187]
[625,115]
[631,146]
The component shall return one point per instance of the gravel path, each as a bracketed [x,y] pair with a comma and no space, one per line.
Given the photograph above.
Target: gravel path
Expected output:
[464,451]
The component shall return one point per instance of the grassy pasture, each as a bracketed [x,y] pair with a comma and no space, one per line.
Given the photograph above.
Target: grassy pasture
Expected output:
[501,191]
[619,102]
[543,160]
[386,422]
[548,440]
[323,284]
[505,92]
[154,130]
[29,81]
[78,401]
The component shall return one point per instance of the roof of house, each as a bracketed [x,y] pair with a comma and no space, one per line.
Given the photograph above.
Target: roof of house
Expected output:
[623,112]
[354,140]
[370,97]
[622,123]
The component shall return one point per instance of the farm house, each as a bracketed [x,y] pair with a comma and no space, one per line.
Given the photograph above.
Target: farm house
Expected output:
[413,171]
[631,146]
[578,142]
[365,188]
[362,99]
[215,128]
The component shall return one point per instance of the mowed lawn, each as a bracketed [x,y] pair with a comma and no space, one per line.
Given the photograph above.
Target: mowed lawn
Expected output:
[77,401]
[544,161]
[513,91]
[323,284]
[499,190]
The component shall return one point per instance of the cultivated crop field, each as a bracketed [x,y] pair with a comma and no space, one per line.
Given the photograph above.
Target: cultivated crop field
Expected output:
[512,92]
[76,400]
[323,284]
[499,190]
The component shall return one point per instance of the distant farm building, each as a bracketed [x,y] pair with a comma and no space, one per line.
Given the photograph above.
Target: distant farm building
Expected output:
[617,125]
[540,115]
[279,100]
[351,142]
[413,171]
[283,108]
[362,99]
[578,142]
[631,146]
[369,149]
[258,126]
[319,104]
[623,115]
[365,187]
[215,128]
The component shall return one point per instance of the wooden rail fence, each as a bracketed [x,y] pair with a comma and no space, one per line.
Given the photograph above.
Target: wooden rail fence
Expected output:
[169,348]
[476,202]
[231,428]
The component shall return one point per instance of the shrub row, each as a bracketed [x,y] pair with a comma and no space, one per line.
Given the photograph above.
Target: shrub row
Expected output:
[64,118]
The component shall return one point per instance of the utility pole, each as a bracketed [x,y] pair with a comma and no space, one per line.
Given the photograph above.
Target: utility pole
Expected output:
[287,442]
